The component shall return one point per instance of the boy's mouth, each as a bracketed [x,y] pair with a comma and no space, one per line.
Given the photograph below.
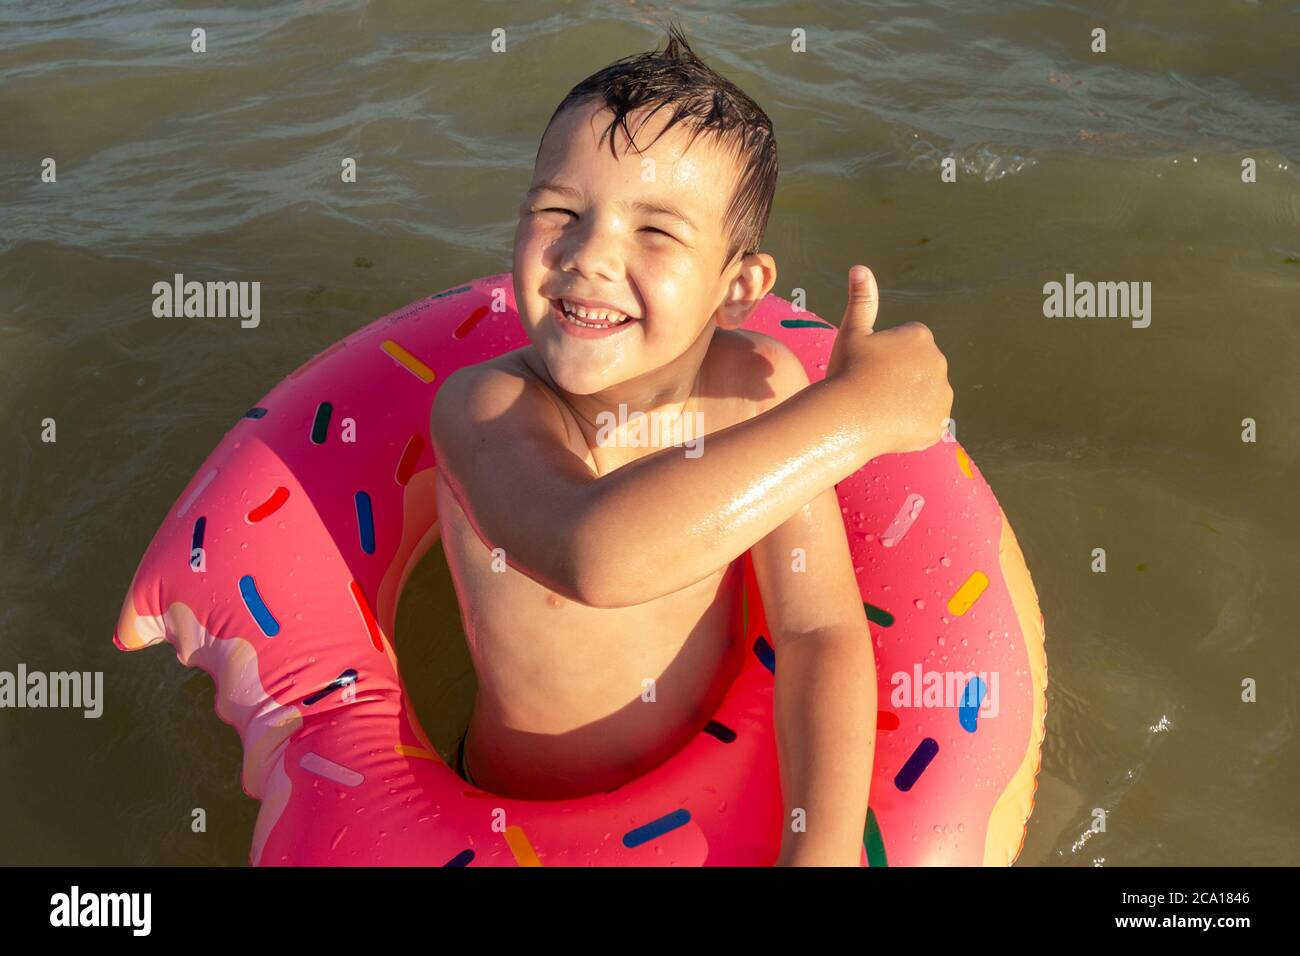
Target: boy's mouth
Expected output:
[594,324]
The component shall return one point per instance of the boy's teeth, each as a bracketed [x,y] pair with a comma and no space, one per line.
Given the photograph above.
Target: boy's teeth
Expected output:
[594,317]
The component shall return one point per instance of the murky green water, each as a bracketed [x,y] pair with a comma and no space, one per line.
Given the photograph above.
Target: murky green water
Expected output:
[1123,166]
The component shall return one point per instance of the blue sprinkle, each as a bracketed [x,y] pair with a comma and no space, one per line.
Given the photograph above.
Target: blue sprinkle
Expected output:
[366,522]
[916,764]
[656,828]
[257,607]
[971,698]
[255,413]
[721,731]
[349,676]
[461,859]
[196,539]
[766,655]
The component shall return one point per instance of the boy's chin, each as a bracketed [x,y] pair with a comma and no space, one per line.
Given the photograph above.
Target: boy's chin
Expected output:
[583,384]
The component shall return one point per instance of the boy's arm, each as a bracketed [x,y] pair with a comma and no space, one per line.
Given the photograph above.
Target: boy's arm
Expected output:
[649,528]
[825,708]
[664,522]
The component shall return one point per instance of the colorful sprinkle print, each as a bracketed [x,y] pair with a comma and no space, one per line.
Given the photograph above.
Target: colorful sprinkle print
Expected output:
[963,462]
[367,615]
[198,490]
[257,607]
[878,615]
[521,847]
[656,828]
[971,698]
[196,539]
[906,778]
[874,841]
[903,520]
[465,327]
[968,593]
[365,522]
[408,361]
[410,455]
[324,767]
[349,676]
[720,731]
[321,422]
[268,507]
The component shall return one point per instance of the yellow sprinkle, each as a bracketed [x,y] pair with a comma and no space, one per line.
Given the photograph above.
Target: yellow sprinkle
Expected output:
[963,462]
[968,593]
[408,751]
[409,361]
[520,847]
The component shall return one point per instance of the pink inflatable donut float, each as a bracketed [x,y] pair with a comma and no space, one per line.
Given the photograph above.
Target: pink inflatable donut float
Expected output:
[278,571]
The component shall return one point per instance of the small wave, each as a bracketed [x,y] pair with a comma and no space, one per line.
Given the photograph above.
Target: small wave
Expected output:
[984,161]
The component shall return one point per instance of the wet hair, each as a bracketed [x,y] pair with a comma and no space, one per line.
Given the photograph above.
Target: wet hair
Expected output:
[706,102]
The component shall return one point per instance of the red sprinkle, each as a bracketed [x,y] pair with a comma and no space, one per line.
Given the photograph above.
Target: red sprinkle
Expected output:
[372,626]
[270,506]
[463,329]
[410,455]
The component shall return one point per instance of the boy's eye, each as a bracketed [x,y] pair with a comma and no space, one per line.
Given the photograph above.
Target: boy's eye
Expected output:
[570,212]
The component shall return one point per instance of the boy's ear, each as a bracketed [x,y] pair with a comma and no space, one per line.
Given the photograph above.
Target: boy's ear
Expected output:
[753,280]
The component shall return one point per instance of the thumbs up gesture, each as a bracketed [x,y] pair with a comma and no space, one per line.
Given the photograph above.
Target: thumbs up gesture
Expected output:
[897,378]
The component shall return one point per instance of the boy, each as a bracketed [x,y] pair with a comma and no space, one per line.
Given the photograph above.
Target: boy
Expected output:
[617,560]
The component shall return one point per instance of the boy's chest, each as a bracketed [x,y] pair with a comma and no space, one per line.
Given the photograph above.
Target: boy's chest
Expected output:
[535,647]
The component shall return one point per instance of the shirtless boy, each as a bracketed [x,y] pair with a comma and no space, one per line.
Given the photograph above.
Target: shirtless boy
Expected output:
[650,194]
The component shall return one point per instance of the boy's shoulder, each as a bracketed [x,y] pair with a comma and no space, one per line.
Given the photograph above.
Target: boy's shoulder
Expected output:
[504,388]
[762,368]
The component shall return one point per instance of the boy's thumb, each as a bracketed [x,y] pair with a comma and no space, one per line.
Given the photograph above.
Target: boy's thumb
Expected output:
[864,301]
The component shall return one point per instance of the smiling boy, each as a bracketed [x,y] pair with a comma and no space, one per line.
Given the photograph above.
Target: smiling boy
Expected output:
[599,573]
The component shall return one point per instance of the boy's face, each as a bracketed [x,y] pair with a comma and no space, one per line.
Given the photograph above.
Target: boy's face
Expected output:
[594,227]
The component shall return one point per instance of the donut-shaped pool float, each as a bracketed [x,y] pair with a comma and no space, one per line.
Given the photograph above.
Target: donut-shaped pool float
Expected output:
[279,568]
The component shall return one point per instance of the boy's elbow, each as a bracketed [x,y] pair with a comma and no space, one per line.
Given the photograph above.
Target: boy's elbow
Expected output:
[600,576]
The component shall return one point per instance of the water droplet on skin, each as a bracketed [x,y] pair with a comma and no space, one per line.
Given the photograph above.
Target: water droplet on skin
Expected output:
[945,561]
[920,604]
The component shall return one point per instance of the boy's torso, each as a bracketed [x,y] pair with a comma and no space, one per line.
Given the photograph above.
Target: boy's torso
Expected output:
[565,701]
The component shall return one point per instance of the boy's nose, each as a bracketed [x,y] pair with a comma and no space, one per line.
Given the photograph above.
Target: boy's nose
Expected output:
[592,251]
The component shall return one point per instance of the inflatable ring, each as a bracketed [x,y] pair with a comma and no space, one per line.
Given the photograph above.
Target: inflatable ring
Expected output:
[279,569]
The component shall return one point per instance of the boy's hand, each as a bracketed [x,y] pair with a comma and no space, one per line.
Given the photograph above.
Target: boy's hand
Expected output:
[898,373]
